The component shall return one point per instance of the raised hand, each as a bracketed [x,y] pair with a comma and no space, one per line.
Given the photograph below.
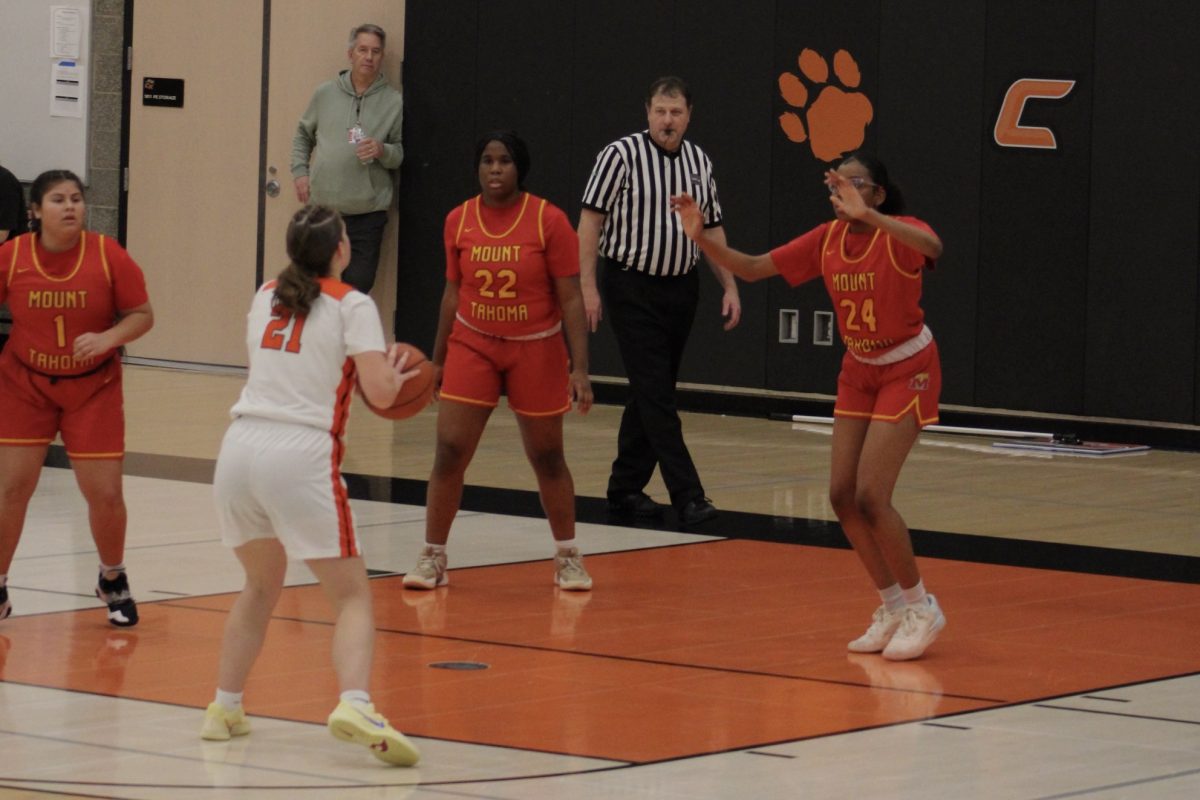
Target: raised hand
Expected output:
[844,197]
[689,215]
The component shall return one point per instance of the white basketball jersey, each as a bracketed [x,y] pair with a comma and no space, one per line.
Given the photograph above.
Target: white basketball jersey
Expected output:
[300,367]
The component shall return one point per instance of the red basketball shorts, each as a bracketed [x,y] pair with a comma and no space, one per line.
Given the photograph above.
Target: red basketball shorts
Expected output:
[891,391]
[532,373]
[89,411]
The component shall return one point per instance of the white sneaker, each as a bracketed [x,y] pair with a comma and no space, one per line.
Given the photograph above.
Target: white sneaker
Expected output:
[430,571]
[883,624]
[569,573]
[917,631]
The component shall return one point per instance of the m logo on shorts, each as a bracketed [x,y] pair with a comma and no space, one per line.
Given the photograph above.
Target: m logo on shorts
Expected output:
[919,382]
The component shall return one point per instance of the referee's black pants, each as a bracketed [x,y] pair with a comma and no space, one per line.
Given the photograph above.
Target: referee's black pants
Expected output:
[652,318]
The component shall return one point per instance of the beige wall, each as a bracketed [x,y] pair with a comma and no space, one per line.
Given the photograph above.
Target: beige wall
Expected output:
[194,172]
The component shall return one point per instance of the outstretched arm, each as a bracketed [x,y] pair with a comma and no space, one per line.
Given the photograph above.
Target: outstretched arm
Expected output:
[712,243]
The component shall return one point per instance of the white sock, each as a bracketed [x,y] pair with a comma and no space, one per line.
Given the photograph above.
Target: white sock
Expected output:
[105,568]
[563,545]
[230,701]
[438,549]
[3,580]
[358,697]
[892,597]
[915,596]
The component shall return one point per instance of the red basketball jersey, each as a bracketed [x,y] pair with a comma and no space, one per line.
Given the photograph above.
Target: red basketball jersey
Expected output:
[505,261]
[55,297]
[873,280]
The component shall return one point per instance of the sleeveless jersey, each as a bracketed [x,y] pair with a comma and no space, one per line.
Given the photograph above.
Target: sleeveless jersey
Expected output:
[55,297]
[301,369]
[505,261]
[873,280]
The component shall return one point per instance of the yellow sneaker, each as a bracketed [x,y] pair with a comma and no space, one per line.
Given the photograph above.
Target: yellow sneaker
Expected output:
[362,724]
[220,723]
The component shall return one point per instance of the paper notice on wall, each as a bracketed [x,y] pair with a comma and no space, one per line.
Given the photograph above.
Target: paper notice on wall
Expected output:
[66,31]
[66,89]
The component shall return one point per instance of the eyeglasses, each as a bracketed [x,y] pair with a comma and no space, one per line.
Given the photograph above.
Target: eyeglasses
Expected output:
[857,181]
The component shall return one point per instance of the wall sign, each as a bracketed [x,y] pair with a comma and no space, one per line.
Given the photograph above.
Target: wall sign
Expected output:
[167,92]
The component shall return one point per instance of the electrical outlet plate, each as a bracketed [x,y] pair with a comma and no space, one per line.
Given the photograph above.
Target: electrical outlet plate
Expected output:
[823,328]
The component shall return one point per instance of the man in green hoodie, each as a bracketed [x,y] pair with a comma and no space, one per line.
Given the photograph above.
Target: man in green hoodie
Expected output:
[347,147]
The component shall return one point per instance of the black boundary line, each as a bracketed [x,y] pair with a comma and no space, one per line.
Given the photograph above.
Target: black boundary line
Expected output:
[59,792]
[168,756]
[56,457]
[615,763]
[1106,787]
[995,550]
[614,767]
[371,575]
[608,656]
[1125,714]
[623,765]
[772,755]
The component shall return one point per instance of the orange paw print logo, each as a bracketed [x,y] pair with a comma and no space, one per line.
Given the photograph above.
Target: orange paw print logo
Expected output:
[836,120]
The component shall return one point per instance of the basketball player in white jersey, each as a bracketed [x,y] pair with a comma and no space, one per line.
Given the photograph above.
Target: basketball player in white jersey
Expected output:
[278,482]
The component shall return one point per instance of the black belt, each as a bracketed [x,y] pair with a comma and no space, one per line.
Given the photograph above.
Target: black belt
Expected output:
[56,378]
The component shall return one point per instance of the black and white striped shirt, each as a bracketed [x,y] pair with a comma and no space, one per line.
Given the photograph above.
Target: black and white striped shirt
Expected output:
[632,184]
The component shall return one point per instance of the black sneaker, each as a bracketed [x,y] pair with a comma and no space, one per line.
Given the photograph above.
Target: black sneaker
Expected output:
[697,511]
[5,606]
[122,611]
[635,504]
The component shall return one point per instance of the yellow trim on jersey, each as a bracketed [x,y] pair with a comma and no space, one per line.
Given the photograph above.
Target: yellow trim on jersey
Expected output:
[12,265]
[468,400]
[516,222]
[462,220]
[825,243]
[556,413]
[104,261]
[847,258]
[38,265]
[95,456]
[914,407]
[898,268]
[541,226]
[26,442]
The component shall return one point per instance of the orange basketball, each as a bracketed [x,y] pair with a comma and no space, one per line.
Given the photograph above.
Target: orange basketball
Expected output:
[416,392]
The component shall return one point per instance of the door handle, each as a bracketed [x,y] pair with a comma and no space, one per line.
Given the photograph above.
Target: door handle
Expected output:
[271,187]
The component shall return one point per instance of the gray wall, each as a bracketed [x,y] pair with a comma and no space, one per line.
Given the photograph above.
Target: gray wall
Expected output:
[104,128]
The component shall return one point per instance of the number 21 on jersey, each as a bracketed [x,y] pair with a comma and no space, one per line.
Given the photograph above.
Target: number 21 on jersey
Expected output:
[283,327]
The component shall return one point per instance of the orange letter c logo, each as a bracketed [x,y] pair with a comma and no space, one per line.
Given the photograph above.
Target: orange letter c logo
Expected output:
[1009,131]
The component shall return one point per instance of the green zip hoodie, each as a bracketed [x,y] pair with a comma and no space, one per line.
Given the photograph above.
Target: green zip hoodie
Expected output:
[322,150]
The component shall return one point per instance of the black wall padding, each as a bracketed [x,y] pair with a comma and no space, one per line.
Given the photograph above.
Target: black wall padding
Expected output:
[1069,283]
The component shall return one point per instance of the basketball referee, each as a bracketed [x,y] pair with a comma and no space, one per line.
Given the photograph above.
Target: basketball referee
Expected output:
[650,285]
